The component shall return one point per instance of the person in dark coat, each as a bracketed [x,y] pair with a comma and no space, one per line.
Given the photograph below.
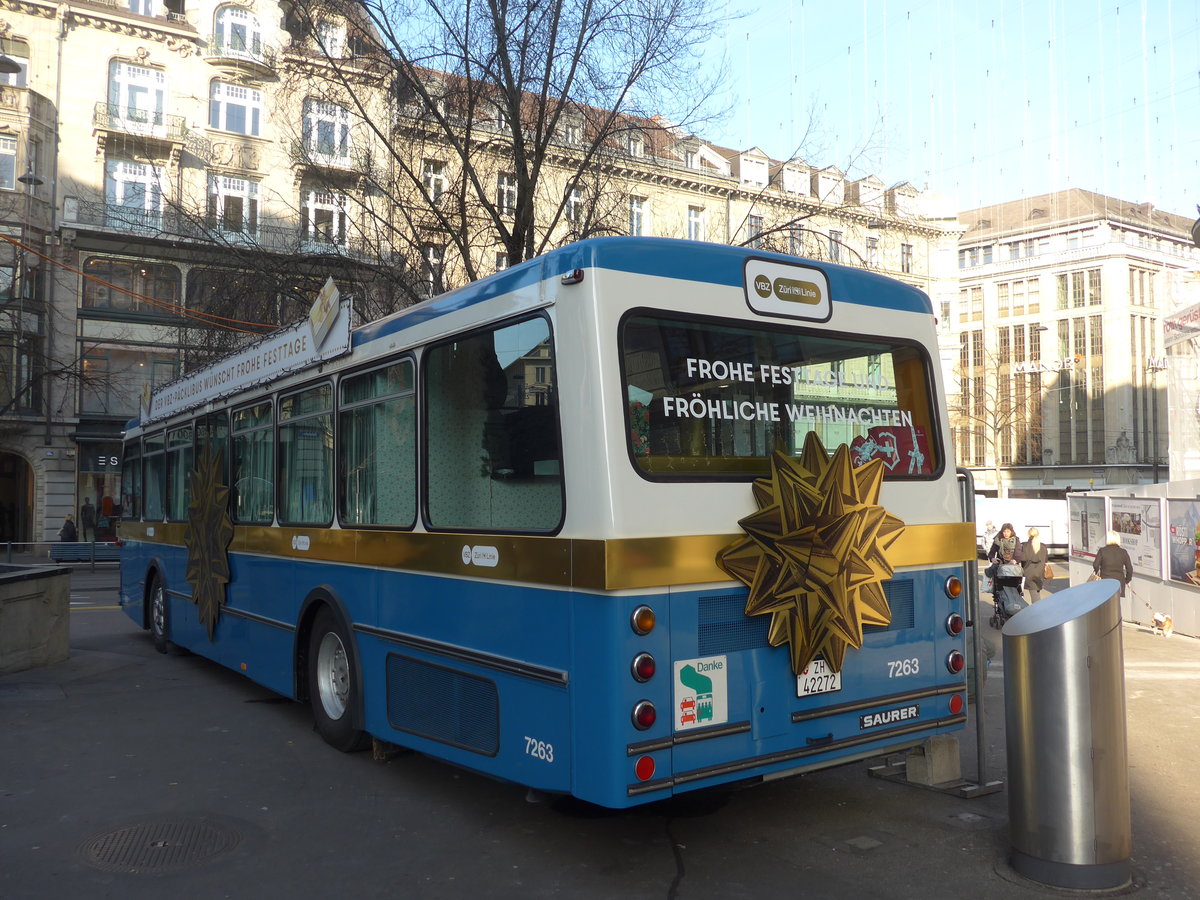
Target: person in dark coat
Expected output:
[1033,565]
[68,532]
[1112,561]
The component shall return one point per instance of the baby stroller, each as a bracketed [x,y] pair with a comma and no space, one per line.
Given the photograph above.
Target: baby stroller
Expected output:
[1006,592]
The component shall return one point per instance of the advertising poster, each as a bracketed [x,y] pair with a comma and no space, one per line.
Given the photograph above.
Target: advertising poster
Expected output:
[1139,522]
[1183,544]
[1087,526]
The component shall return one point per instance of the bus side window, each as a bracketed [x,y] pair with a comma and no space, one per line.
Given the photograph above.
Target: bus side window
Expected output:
[492,441]
[154,471]
[131,481]
[377,447]
[252,467]
[179,467]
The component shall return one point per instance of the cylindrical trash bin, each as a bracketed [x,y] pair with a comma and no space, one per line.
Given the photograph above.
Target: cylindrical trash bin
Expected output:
[1064,715]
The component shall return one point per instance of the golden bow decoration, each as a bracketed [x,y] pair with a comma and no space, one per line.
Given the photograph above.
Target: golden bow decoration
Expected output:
[814,555]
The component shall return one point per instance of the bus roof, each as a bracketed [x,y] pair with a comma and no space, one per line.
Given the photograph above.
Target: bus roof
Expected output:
[662,257]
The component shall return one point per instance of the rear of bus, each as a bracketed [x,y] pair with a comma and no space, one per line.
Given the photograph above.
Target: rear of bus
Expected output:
[782,581]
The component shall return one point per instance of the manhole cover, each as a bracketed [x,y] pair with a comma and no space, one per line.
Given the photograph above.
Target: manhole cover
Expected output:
[159,846]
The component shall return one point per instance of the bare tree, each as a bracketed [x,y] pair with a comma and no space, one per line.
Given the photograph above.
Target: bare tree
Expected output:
[532,108]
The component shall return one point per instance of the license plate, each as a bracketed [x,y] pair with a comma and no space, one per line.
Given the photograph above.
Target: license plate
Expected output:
[818,678]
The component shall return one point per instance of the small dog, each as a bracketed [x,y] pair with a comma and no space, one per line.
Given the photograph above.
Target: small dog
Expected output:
[1163,625]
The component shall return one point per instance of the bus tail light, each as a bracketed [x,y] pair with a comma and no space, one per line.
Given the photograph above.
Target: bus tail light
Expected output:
[643,667]
[644,715]
[954,625]
[955,662]
[956,704]
[954,587]
[644,768]
[643,620]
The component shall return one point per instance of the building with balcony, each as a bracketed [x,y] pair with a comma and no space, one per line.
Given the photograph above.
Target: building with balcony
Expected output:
[1056,341]
[177,178]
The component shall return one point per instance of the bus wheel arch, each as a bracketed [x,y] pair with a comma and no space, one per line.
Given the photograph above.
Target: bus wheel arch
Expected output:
[327,671]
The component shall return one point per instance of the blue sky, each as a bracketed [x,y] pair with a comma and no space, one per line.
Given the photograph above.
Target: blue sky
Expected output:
[980,102]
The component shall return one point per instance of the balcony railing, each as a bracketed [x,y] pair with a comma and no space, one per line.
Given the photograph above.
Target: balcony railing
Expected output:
[141,122]
[175,225]
[226,47]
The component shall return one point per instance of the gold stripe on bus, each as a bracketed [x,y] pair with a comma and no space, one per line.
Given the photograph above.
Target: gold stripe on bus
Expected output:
[618,564]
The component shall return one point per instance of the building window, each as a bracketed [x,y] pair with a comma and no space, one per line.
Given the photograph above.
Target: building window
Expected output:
[1003,300]
[570,134]
[1093,287]
[506,193]
[574,206]
[796,241]
[130,285]
[331,39]
[691,159]
[326,134]
[237,34]
[976,309]
[835,245]
[136,96]
[8,166]
[433,176]
[20,56]
[637,145]
[1141,287]
[754,230]
[987,254]
[636,214]
[235,108]
[906,258]
[433,264]
[873,252]
[501,260]
[133,194]
[233,204]
[323,219]
[141,7]
[695,223]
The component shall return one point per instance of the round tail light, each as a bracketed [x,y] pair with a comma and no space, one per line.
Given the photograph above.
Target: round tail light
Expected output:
[644,768]
[955,662]
[954,587]
[643,667]
[644,715]
[954,625]
[956,704]
[643,620]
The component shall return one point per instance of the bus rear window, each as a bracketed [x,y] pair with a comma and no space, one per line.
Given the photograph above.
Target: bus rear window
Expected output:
[711,399]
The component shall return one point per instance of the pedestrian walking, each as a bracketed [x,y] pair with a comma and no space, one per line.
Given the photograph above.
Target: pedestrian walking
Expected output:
[1112,561]
[1034,557]
[68,533]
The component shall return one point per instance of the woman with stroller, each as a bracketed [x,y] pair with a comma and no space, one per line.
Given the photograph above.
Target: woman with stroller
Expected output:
[1005,571]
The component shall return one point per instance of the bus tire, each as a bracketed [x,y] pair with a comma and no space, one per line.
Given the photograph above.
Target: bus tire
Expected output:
[333,689]
[159,616]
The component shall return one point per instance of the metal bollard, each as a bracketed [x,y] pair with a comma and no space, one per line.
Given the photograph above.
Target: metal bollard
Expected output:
[1064,714]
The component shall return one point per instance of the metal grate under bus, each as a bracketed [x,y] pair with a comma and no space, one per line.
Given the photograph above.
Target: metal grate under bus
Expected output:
[724,626]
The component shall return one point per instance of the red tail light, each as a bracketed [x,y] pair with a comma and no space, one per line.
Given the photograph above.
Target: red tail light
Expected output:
[643,667]
[954,625]
[955,662]
[644,768]
[644,715]
[956,704]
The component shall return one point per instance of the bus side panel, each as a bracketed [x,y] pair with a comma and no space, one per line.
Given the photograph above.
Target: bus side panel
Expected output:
[494,699]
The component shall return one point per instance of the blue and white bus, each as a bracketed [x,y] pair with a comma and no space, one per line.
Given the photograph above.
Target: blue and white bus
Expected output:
[636,517]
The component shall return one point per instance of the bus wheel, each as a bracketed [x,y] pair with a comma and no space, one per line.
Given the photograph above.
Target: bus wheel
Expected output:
[160,617]
[333,689]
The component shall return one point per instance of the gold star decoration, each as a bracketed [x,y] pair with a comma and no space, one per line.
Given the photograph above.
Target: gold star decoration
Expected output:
[208,536]
[813,556]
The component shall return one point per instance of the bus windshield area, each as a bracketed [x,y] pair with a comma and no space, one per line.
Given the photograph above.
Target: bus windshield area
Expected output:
[714,399]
